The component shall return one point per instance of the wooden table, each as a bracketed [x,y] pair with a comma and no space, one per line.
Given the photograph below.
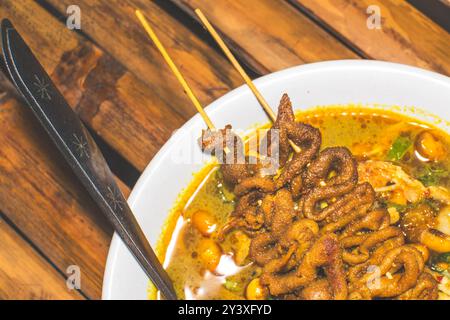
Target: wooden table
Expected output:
[117,82]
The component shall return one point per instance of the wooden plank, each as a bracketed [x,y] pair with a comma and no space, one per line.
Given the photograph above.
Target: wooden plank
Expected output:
[406,35]
[436,10]
[269,34]
[114,26]
[128,114]
[41,196]
[24,274]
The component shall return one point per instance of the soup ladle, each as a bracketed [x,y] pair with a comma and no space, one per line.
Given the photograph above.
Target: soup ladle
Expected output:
[79,150]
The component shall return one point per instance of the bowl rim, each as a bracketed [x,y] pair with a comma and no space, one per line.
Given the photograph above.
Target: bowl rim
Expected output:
[265,80]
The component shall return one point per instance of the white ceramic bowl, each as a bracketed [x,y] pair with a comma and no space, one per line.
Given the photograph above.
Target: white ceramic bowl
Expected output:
[370,83]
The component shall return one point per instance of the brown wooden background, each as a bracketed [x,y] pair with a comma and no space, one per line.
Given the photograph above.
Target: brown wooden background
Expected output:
[117,82]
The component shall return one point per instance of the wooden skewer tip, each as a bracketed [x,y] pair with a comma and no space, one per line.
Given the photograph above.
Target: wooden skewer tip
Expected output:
[174,68]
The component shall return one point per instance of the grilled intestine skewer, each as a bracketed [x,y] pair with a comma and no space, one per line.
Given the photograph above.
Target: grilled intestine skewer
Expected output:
[235,163]
[241,71]
[228,137]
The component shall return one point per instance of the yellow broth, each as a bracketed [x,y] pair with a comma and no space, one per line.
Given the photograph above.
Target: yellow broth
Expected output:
[367,133]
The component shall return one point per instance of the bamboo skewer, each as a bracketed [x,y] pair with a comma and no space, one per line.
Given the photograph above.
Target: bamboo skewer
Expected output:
[174,69]
[241,71]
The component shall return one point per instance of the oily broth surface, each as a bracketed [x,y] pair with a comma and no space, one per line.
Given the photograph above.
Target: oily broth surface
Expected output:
[191,280]
[362,129]
[357,128]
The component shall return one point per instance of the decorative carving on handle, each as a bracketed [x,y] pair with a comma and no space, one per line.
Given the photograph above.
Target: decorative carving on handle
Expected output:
[42,88]
[81,146]
[115,199]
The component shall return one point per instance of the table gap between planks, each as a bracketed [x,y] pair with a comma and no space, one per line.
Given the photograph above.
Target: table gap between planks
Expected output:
[118,84]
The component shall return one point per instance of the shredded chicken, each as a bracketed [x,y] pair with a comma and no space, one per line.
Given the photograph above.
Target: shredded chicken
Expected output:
[385,176]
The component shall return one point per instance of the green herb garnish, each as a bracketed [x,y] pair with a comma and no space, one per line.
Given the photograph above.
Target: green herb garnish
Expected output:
[399,207]
[399,148]
[232,285]
[433,204]
[436,262]
[445,257]
[431,176]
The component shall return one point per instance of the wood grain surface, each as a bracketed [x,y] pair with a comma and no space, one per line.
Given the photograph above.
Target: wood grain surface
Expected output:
[24,274]
[114,103]
[41,196]
[269,35]
[205,70]
[38,192]
[406,36]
